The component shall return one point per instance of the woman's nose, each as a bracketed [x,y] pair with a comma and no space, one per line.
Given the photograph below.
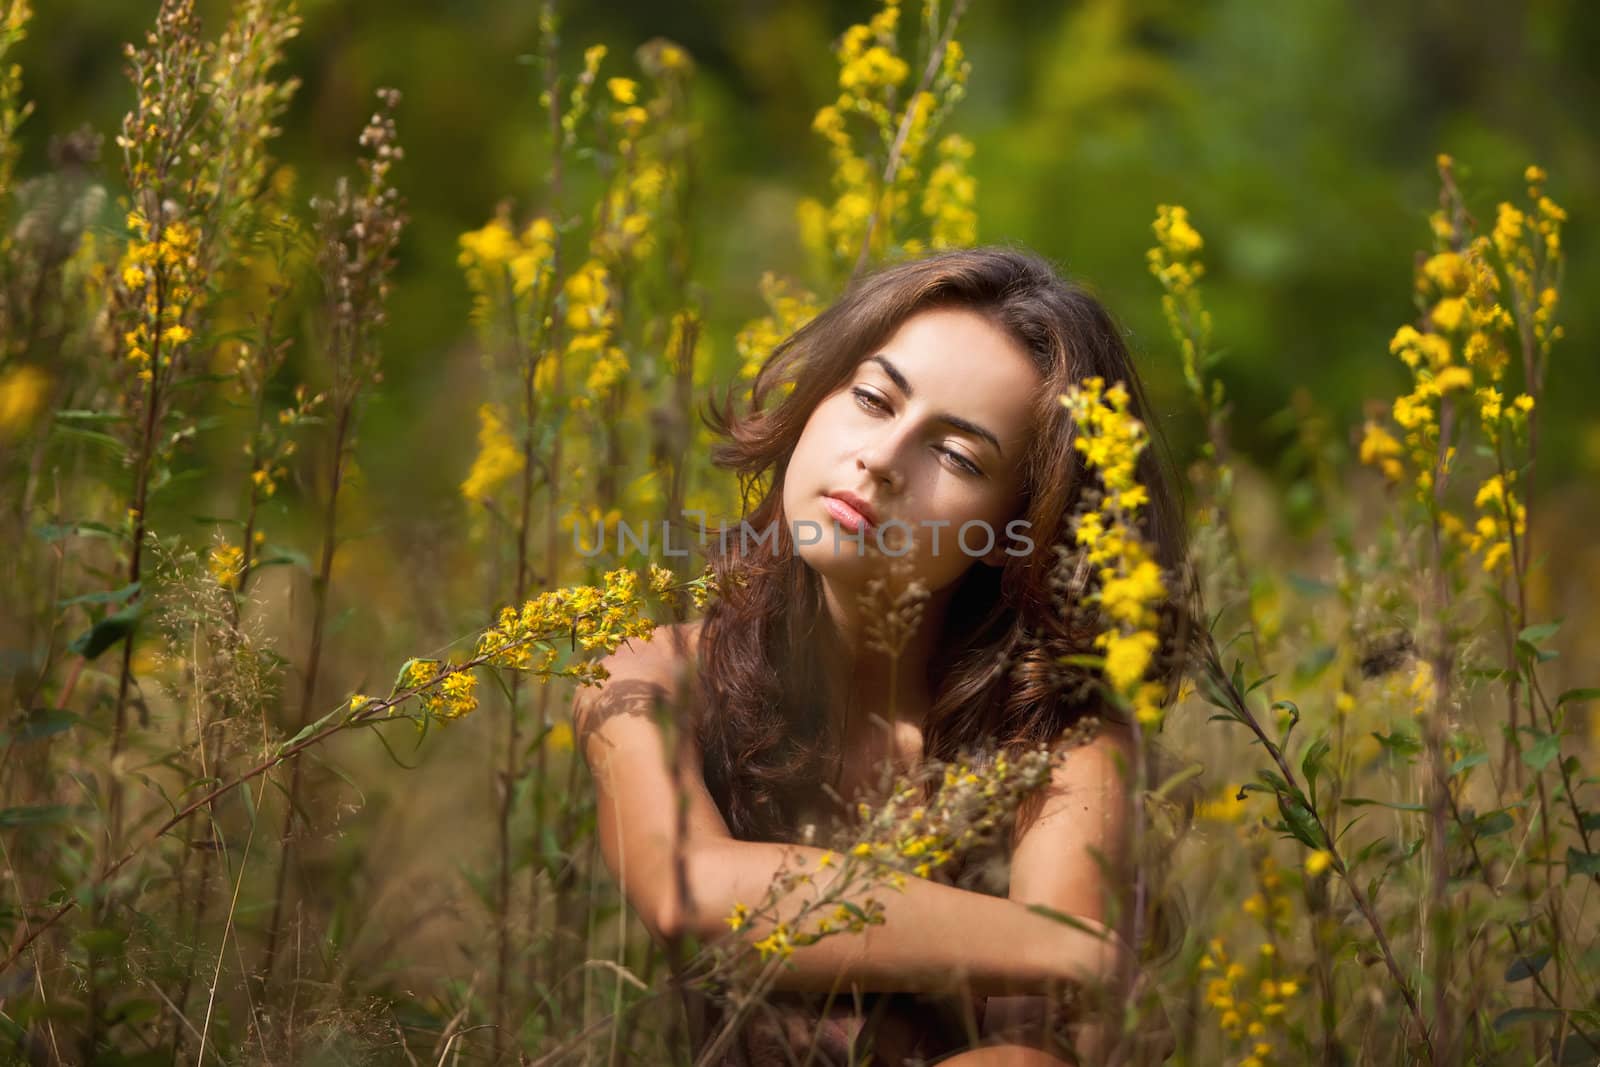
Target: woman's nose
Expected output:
[880,460]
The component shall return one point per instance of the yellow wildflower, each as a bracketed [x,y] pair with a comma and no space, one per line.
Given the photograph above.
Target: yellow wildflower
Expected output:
[1224,807]
[226,564]
[22,394]
[1131,586]
[1178,238]
[622,90]
[777,943]
[560,738]
[1448,314]
[445,691]
[1452,378]
[498,457]
[1380,449]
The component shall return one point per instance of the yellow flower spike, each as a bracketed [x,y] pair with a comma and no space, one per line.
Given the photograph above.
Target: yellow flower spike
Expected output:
[622,90]
[1318,861]
[498,458]
[226,564]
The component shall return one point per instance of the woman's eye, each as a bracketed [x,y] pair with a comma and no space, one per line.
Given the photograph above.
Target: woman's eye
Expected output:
[873,403]
[868,400]
[965,464]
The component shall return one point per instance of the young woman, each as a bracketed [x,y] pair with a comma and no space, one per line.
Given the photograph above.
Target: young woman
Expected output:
[923,406]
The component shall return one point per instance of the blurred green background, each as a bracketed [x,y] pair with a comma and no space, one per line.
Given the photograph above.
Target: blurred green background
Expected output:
[1300,135]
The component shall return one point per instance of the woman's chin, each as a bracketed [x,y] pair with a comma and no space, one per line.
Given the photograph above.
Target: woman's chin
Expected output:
[843,563]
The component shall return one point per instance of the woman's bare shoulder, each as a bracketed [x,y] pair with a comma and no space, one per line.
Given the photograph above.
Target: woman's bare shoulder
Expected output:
[673,647]
[643,678]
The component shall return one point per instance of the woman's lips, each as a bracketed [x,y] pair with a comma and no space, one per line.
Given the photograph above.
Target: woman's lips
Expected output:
[847,516]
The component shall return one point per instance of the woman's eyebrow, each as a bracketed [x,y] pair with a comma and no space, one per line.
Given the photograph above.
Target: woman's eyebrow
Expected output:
[945,417]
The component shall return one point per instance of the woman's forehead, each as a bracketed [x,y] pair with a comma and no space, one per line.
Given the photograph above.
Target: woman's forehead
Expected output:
[958,361]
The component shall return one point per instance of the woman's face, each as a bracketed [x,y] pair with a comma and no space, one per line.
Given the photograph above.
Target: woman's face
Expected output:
[930,430]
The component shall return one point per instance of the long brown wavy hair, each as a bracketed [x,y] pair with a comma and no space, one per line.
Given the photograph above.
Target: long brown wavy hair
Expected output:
[996,676]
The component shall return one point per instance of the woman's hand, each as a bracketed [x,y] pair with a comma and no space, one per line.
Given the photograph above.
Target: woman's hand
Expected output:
[1097,1031]
[1083,1022]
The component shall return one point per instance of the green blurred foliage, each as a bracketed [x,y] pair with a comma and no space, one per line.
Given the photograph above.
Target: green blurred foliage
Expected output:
[1301,136]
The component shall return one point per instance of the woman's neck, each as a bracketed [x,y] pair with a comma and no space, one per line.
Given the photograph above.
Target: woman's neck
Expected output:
[867,681]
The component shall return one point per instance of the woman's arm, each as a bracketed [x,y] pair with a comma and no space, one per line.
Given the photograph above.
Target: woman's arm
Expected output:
[934,939]
[1070,859]
[682,871]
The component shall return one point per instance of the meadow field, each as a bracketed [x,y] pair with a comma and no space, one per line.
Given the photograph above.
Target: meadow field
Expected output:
[298,471]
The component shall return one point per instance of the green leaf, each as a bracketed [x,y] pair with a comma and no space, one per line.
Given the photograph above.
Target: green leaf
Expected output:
[1577,696]
[134,1012]
[1527,966]
[1301,822]
[39,815]
[280,557]
[84,415]
[51,532]
[1582,862]
[1356,802]
[1532,653]
[1064,919]
[1545,748]
[402,764]
[1259,682]
[1538,632]
[853,909]
[1400,742]
[106,596]
[1313,665]
[40,722]
[93,436]
[1467,762]
[104,940]
[550,852]
[1310,586]
[310,728]
[107,632]
[1518,1015]
[1311,762]
[1496,822]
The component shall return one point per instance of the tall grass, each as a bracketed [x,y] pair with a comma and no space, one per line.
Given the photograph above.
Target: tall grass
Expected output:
[1395,855]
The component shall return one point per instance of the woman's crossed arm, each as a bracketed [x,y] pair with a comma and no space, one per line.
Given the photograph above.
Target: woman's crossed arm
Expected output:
[683,872]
